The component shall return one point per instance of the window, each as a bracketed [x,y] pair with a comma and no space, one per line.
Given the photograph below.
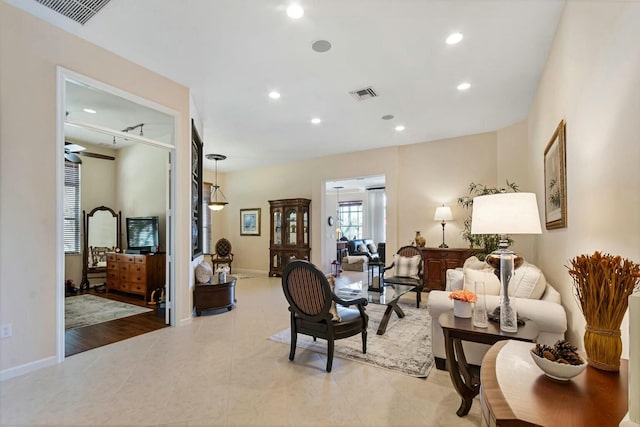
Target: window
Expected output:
[71,208]
[206,217]
[351,219]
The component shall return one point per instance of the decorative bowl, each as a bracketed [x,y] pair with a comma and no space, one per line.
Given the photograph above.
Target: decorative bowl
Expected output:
[555,370]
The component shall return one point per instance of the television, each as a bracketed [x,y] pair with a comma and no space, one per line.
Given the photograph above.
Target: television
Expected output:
[142,234]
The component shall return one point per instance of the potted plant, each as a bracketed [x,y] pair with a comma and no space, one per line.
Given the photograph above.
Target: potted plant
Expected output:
[462,300]
[488,242]
[602,285]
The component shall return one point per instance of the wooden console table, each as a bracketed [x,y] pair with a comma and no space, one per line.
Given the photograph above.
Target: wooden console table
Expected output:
[438,260]
[515,392]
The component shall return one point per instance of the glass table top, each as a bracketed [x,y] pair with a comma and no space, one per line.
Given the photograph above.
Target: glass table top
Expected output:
[357,290]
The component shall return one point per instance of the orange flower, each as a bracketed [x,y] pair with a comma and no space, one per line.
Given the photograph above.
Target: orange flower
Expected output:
[463,295]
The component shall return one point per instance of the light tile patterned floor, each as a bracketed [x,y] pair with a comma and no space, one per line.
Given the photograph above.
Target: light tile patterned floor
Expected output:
[222,370]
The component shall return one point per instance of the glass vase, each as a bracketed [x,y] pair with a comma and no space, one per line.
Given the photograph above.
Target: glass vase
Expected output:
[480,306]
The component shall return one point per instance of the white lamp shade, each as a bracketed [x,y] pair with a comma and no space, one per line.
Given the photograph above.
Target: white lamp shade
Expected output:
[443,213]
[505,213]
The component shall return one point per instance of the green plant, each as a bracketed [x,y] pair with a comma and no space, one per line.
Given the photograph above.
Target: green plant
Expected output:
[488,242]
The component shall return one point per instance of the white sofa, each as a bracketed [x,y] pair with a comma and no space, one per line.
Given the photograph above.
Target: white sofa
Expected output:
[546,311]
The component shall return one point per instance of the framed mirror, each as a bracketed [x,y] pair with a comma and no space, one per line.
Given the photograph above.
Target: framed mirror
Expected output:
[102,235]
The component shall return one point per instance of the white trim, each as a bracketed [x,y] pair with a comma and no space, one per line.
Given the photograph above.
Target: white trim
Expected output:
[120,134]
[27,368]
[59,224]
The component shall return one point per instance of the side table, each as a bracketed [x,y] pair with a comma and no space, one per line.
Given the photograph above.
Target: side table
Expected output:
[465,379]
[211,296]
[515,392]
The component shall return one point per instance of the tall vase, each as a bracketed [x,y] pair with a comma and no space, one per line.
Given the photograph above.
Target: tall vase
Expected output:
[420,241]
[603,348]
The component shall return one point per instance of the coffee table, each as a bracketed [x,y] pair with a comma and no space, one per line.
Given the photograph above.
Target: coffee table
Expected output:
[388,295]
[465,378]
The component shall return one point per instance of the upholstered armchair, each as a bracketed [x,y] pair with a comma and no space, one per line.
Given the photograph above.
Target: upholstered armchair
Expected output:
[407,265]
[316,311]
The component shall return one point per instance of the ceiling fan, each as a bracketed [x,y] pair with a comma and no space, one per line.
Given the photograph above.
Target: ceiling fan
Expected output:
[72,153]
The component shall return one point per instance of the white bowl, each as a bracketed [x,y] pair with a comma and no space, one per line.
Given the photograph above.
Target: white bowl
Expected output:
[555,370]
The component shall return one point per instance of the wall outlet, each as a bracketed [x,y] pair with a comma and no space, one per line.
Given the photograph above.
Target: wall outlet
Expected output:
[5,330]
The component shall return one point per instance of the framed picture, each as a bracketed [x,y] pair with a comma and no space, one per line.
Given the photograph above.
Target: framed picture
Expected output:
[196,192]
[555,180]
[250,222]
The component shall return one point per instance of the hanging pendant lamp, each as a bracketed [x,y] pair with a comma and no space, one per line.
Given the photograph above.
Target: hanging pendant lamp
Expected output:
[217,202]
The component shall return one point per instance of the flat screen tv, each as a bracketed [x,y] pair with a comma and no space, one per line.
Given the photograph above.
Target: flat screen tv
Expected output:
[142,234]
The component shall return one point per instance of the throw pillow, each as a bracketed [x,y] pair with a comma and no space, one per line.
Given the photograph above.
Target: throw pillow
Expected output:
[527,282]
[333,310]
[204,272]
[474,263]
[372,248]
[407,266]
[491,281]
[362,247]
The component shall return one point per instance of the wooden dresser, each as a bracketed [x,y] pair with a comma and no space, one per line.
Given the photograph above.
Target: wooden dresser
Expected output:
[136,274]
[438,260]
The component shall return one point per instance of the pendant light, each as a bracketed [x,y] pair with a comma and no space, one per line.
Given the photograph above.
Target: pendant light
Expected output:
[217,203]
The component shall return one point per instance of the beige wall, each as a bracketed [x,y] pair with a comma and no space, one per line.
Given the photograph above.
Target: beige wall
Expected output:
[30,52]
[592,79]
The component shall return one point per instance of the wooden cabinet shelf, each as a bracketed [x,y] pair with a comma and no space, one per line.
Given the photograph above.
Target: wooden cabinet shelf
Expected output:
[135,274]
[290,222]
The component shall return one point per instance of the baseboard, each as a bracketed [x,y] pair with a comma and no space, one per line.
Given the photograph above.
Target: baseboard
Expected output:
[27,368]
[184,322]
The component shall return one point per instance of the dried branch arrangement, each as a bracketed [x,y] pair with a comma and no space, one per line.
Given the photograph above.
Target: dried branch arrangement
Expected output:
[602,284]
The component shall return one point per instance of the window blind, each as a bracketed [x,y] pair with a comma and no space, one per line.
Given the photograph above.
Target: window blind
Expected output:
[71,208]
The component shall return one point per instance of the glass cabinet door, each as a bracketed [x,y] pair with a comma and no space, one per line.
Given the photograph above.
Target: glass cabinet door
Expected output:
[305,225]
[277,227]
[291,227]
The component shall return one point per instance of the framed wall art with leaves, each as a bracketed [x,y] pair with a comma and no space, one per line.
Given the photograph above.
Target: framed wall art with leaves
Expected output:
[555,180]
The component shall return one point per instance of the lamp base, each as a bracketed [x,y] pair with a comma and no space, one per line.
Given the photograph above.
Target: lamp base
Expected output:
[443,245]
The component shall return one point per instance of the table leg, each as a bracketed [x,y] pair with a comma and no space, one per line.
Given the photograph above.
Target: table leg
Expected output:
[463,381]
[385,319]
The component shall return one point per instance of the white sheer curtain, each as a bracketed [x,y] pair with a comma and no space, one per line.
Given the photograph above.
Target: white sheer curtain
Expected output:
[376,229]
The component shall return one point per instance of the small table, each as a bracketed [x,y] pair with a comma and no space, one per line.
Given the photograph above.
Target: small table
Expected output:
[375,278]
[389,296]
[465,379]
[215,295]
[515,392]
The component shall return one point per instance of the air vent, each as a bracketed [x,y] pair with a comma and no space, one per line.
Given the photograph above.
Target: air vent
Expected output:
[363,94]
[78,10]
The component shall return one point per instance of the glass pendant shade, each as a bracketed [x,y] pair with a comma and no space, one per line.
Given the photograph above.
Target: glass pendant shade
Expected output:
[218,200]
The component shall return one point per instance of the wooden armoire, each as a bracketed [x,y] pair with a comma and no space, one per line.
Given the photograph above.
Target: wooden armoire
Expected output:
[290,222]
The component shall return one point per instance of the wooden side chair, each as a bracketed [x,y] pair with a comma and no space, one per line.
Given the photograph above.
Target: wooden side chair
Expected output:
[407,270]
[222,254]
[310,298]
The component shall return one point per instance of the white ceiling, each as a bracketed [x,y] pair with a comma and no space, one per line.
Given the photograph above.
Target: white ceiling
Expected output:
[232,53]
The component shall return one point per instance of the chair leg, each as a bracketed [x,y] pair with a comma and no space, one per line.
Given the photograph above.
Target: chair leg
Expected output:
[418,299]
[294,340]
[364,341]
[329,354]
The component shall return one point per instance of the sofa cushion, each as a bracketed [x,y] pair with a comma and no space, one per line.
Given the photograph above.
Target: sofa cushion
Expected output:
[491,282]
[454,279]
[372,248]
[362,248]
[527,282]
[407,266]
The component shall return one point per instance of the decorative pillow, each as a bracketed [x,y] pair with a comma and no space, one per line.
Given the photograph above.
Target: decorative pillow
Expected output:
[333,310]
[474,263]
[455,279]
[204,272]
[372,248]
[491,281]
[527,282]
[407,266]
[362,247]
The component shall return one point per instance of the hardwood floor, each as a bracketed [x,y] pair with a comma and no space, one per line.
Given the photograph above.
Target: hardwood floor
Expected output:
[90,337]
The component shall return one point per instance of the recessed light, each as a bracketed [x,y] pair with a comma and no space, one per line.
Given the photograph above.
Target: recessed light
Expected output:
[295,11]
[316,121]
[464,86]
[387,117]
[89,110]
[399,128]
[274,95]
[321,46]
[454,38]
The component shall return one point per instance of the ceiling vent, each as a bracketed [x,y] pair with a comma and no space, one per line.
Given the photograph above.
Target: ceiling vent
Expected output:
[78,10]
[363,94]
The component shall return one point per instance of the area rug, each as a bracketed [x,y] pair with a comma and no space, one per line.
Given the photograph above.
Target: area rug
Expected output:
[85,310]
[405,346]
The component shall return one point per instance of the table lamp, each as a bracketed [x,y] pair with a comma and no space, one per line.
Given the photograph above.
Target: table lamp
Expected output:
[443,213]
[502,214]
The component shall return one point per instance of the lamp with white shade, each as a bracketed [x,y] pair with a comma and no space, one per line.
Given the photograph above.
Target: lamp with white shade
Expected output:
[502,214]
[443,213]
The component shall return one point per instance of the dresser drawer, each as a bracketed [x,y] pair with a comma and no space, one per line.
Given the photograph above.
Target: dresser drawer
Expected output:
[125,259]
[137,287]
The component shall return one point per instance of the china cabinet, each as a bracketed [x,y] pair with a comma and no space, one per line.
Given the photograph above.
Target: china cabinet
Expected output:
[289,230]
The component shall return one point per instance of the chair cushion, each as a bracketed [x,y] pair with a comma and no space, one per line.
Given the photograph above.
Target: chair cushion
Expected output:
[407,266]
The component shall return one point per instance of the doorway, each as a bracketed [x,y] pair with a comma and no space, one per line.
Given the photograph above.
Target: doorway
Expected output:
[138,137]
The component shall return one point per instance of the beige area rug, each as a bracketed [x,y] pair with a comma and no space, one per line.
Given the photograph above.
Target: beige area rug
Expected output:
[405,346]
[85,310]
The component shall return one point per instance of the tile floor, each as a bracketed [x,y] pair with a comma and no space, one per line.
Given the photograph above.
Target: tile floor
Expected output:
[222,370]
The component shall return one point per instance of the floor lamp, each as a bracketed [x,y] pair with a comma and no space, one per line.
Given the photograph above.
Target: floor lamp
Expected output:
[502,214]
[443,213]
